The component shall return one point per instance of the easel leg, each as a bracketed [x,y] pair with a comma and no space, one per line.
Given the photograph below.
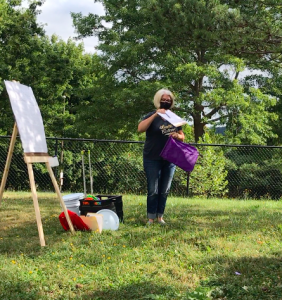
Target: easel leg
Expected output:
[60,196]
[35,203]
[8,161]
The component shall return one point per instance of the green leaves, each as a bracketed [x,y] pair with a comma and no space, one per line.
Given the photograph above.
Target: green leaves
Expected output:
[197,49]
[56,70]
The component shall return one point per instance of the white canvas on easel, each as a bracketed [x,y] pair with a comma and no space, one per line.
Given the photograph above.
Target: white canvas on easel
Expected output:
[30,126]
[28,117]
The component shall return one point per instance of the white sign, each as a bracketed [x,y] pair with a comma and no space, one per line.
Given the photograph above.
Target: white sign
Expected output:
[28,117]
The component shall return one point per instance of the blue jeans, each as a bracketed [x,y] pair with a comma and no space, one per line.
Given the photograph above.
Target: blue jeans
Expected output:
[159,175]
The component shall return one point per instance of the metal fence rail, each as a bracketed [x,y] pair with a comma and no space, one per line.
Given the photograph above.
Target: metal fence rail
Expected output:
[222,170]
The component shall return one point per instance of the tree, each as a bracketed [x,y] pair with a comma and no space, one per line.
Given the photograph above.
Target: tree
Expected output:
[272,85]
[18,28]
[56,70]
[197,49]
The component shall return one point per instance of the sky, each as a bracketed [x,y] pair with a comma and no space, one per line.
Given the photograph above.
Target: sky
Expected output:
[55,15]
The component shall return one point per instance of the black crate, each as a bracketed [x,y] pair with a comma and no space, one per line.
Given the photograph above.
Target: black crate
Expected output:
[112,202]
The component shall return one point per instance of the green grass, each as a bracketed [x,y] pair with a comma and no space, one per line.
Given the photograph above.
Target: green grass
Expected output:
[199,255]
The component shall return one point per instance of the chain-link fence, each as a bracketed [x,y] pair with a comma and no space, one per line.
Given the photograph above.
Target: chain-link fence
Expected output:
[221,170]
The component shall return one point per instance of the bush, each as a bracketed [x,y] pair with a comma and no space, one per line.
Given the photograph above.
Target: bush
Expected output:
[209,175]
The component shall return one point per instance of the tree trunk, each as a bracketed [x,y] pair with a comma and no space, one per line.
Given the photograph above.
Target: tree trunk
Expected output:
[198,126]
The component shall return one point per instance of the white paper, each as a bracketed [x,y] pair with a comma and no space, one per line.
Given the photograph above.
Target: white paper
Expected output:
[53,161]
[172,118]
[28,117]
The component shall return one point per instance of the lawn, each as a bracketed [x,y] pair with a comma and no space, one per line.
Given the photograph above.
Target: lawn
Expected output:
[211,249]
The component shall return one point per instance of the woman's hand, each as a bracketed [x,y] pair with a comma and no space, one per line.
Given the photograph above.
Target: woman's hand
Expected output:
[178,135]
[175,135]
[160,110]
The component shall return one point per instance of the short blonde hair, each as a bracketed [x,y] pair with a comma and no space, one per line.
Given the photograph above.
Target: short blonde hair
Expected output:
[158,97]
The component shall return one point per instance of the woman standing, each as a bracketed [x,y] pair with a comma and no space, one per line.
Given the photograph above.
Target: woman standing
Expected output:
[159,172]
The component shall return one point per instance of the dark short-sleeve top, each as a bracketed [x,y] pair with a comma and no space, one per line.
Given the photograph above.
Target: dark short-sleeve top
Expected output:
[156,137]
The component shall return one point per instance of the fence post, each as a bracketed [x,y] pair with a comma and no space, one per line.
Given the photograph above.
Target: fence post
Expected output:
[56,147]
[187,183]
[56,154]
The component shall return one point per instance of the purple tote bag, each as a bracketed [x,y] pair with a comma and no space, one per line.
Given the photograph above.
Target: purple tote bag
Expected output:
[181,154]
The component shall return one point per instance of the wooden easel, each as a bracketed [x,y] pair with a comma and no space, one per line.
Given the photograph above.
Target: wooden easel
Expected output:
[29,159]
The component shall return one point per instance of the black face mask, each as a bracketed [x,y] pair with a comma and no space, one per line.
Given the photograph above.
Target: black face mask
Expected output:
[165,105]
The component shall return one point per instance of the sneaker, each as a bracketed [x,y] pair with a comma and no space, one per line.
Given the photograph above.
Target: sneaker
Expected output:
[149,223]
[162,222]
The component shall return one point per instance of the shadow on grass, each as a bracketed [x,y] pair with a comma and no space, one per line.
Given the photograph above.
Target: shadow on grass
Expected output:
[25,238]
[18,226]
[19,290]
[134,291]
[246,278]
